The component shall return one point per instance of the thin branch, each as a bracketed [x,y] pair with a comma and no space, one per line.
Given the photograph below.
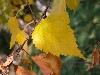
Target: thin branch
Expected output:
[26,53]
[43,15]
[96,42]
[32,12]
[21,46]
[45,11]
[33,21]
[72,62]
[18,12]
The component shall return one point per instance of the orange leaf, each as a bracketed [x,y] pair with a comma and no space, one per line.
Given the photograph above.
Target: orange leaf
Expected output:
[95,60]
[48,63]
[95,55]
[27,62]
[23,71]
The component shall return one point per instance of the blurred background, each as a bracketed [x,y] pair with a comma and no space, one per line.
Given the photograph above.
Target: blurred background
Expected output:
[85,22]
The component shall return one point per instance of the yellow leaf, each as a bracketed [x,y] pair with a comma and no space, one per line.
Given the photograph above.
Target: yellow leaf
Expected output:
[20,38]
[28,18]
[72,4]
[54,35]
[31,1]
[17,35]
[14,29]
[17,2]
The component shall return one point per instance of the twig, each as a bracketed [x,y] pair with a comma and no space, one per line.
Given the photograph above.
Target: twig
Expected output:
[21,46]
[72,62]
[26,53]
[33,21]
[43,15]
[32,12]
[18,12]
[45,11]
[96,42]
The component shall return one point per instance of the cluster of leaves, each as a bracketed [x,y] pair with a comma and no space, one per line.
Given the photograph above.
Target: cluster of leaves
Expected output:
[47,30]
[42,42]
[52,35]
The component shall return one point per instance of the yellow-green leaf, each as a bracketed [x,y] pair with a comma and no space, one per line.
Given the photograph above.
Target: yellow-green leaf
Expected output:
[14,29]
[54,35]
[72,4]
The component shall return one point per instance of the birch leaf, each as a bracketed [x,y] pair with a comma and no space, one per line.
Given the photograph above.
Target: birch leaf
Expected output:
[20,38]
[17,35]
[54,35]
[72,4]
[14,29]
[31,1]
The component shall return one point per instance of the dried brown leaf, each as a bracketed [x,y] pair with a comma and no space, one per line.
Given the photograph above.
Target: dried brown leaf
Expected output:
[23,71]
[48,63]
[95,60]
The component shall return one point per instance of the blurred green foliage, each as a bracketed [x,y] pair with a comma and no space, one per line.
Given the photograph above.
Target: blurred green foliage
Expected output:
[85,21]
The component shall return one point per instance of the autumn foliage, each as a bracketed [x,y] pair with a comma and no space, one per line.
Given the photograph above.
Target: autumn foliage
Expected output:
[51,34]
